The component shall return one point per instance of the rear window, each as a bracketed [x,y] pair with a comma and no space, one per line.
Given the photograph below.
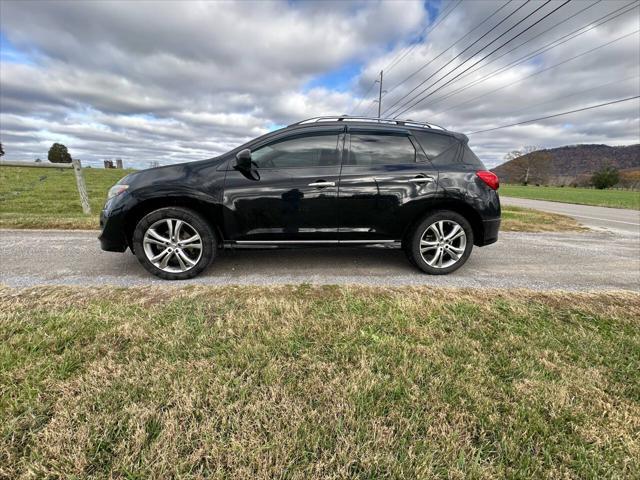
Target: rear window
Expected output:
[440,149]
[470,158]
[373,149]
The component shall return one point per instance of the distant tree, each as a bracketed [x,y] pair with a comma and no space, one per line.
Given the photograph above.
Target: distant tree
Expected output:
[1,150]
[534,166]
[606,177]
[58,153]
[38,160]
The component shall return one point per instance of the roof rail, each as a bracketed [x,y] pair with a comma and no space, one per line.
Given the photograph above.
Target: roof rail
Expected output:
[388,121]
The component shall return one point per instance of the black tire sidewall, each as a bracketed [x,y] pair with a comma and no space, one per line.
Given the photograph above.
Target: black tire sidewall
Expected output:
[422,226]
[209,244]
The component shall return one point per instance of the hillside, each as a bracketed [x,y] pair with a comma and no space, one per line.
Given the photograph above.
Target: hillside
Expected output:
[572,165]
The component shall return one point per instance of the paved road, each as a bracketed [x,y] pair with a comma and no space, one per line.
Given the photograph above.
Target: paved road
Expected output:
[568,261]
[617,219]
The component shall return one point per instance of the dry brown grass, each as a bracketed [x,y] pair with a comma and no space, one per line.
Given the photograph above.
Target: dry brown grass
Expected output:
[318,382]
[516,219]
[48,221]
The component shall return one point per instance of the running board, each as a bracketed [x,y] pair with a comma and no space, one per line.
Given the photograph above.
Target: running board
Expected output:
[277,243]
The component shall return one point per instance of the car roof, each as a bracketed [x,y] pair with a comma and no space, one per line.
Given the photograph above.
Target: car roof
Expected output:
[374,122]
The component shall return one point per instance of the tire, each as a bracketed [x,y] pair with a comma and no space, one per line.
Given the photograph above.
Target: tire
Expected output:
[181,259]
[452,253]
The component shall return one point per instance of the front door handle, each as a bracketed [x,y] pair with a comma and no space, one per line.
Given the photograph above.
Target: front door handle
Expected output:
[322,184]
[421,179]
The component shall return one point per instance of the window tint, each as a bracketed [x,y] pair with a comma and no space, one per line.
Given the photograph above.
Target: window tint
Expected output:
[470,158]
[440,149]
[311,151]
[370,149]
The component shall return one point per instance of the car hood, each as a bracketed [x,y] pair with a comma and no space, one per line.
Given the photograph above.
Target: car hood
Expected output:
[184,172]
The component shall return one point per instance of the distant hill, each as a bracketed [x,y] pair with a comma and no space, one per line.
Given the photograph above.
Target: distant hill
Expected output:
[571,165]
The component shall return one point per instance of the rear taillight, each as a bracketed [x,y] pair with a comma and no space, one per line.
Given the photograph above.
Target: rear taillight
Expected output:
[490,178]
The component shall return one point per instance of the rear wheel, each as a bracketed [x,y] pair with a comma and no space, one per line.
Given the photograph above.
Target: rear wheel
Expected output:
[174,243]
[441,243]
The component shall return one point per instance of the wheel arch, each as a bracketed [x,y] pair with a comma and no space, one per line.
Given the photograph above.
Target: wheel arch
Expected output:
[210,213]
[460,207]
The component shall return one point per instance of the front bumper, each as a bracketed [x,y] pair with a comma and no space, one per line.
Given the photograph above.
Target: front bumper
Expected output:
[112,237]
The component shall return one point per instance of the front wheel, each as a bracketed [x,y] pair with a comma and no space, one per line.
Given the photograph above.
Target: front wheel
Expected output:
[174,243]
[441,243]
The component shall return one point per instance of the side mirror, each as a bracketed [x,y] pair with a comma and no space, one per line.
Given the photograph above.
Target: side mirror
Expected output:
[243,159]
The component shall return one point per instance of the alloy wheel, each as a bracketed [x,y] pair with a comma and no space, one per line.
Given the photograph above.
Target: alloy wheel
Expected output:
[443,244]
[172,245]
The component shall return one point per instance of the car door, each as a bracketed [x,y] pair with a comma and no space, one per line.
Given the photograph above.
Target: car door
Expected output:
[291,194]
[386,180]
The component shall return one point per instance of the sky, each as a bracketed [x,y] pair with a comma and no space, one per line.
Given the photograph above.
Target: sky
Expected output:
[170,82]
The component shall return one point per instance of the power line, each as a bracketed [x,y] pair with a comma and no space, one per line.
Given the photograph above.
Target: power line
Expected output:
[483,58]
[559,41]
[538,72]
[581,92]
[457,56]
[397,60]
[370,110]
[555,115]
[363,97]
[450,46]
[400,56]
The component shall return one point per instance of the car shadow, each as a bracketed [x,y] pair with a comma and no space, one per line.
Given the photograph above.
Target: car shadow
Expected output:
[310,262]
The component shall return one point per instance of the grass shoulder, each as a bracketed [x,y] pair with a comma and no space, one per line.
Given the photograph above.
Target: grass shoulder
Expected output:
[583,196]
[318,382]
[517,219]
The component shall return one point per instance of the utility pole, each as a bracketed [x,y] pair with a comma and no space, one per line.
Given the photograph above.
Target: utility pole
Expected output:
[380,96]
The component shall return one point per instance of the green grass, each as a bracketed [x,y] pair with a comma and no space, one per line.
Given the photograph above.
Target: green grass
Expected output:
[584,196]
[48,197]
[327,382]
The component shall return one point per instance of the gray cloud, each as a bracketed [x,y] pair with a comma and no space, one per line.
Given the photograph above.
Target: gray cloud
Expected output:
[175,81]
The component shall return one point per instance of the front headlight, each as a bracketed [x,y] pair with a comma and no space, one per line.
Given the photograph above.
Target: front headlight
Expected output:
[116,190]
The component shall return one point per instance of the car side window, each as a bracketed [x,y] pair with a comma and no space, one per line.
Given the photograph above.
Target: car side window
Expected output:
[440,149]
[308,151]
[376,149]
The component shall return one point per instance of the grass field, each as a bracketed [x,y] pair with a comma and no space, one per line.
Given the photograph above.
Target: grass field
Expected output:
[584,196]
[318,382]
[47,198]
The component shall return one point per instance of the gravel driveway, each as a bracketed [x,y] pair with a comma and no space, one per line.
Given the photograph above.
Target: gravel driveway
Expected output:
[568,261]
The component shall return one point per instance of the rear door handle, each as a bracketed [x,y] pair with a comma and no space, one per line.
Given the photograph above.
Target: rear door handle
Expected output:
[422,179]
[322,183]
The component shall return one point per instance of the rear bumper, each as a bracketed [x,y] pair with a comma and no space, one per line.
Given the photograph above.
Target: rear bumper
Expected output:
[490,229]
[112,237]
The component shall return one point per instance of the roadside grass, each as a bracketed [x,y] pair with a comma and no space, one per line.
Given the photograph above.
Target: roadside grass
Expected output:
[318,382]
[47,198]
[583,196]
[517,219]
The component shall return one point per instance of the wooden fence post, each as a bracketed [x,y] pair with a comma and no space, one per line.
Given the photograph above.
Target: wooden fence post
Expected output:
[82,188]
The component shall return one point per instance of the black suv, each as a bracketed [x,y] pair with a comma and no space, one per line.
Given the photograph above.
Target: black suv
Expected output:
[323,181]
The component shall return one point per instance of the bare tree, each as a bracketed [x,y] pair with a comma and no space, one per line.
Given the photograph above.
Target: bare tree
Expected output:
[533,164]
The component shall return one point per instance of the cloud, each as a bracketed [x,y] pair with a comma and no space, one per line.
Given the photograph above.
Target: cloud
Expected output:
[177,81]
